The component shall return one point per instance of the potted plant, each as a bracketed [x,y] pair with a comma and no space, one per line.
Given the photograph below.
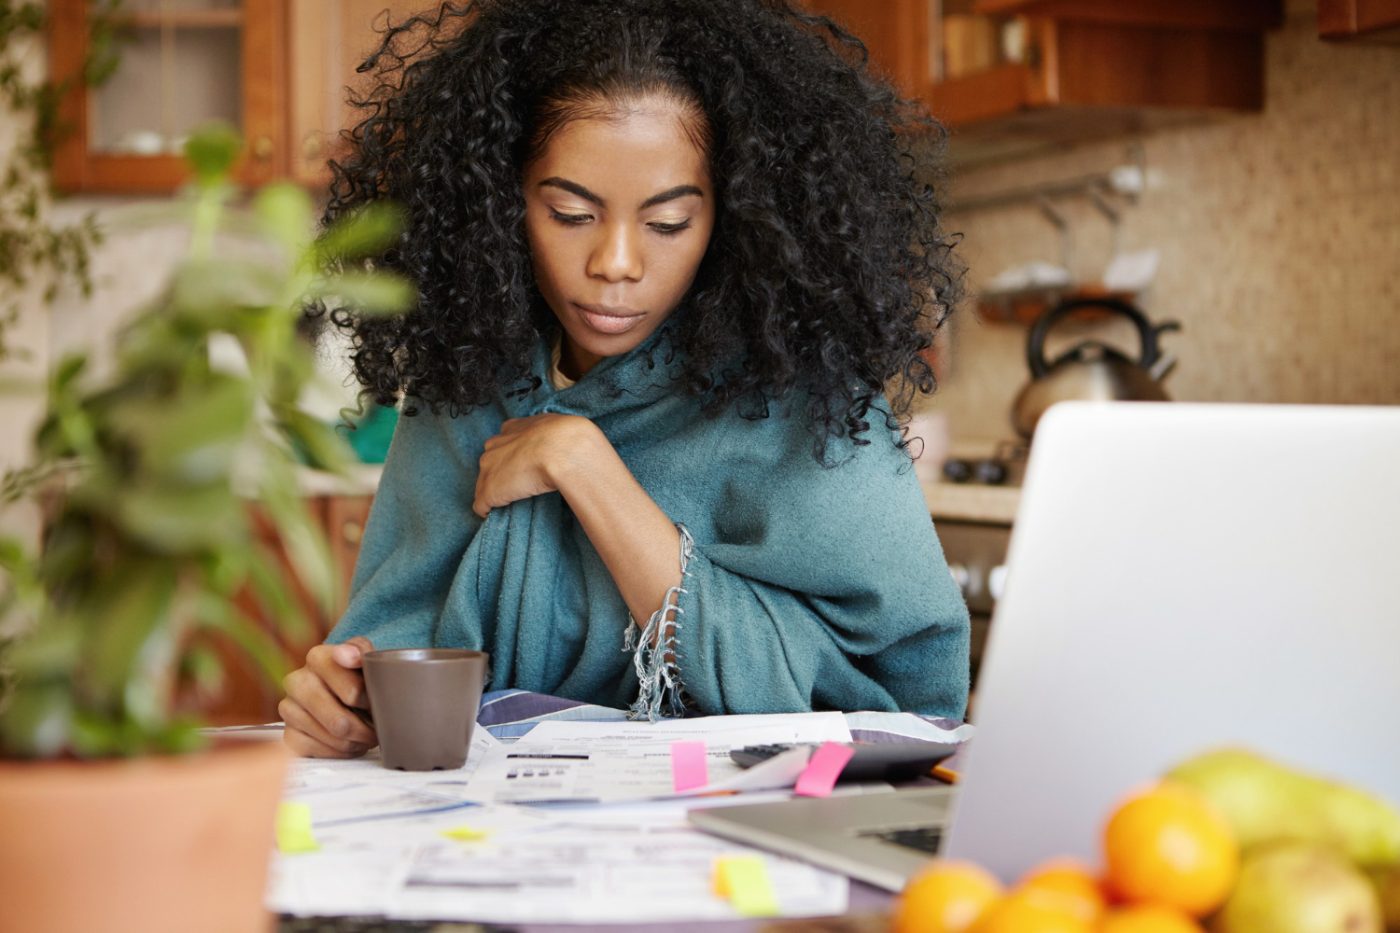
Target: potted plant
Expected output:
[117,811]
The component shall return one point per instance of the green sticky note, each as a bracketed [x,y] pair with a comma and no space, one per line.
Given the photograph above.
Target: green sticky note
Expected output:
[465,834]
[294,829]
[745,879]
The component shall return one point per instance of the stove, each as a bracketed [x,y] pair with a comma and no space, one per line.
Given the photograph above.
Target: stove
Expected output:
[1004,466]
[972,497]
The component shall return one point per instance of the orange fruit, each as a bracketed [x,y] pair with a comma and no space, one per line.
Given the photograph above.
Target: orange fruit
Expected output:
[946,897]
[1167,845]
[1032,911]
[1148,918]
[1072,883]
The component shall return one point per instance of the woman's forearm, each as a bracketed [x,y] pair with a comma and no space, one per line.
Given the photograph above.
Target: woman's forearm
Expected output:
[637,540]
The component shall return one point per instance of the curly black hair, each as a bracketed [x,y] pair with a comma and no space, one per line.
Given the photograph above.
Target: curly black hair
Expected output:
[827,272]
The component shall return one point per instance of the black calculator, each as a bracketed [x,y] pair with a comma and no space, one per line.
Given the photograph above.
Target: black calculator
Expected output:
[872,761]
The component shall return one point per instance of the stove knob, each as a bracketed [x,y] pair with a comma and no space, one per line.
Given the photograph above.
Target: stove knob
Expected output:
[991,472]
[996,581]
[960,576]
[959,471]
[968,579]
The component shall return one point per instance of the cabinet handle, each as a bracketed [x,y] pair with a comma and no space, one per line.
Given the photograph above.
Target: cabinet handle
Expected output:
[311,148]
[352,532]
[263,148]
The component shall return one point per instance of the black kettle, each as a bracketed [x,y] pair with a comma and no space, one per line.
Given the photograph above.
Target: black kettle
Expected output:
[1092,370]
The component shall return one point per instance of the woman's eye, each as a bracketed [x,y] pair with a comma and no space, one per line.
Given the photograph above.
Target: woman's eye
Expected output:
[571,219]
[669,229]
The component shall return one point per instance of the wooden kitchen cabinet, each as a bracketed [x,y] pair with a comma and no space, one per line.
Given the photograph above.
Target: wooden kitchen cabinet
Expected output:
[180,66]
[1364,20]
[345,528]
[328,39]
[1012,76]
[895,32]
[246,697]
[276,69]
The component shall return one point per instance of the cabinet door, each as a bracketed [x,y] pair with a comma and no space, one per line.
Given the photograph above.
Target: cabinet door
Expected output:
[180,65]
[246,697]
[328,40]
[345,525]
[895,32]
[1371,20]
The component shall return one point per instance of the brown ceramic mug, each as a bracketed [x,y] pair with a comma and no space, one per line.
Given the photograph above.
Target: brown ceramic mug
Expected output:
[424,703]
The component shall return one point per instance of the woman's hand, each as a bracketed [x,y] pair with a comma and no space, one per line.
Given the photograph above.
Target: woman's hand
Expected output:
[532,455]
[571,455]
[316,709]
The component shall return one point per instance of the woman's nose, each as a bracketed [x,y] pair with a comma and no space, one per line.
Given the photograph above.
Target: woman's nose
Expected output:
[617,257]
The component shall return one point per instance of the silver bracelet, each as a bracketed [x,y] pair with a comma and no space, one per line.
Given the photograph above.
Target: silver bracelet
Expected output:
[654,653]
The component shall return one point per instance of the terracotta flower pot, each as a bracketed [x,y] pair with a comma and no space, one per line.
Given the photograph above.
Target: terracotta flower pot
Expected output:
[176,844]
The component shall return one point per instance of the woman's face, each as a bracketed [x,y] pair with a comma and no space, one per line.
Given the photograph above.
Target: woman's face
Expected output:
[618,212]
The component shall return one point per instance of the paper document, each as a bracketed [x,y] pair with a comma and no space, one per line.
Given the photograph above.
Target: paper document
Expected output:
[463,846]
[609,762]
[518,865]
[362,789]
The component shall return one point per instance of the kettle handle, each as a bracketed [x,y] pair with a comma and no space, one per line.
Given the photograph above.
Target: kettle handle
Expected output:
[1147,333]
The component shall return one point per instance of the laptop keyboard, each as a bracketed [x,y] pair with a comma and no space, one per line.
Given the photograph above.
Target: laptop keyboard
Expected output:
[921,838]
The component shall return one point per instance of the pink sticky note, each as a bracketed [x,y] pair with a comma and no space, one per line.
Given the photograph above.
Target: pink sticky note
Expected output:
[688,767]
[822,770]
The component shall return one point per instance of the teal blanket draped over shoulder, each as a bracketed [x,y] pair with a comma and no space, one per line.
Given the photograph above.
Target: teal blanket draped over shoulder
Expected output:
[810,586]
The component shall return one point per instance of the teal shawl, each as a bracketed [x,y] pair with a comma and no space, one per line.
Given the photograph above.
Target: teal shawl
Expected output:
[809,586]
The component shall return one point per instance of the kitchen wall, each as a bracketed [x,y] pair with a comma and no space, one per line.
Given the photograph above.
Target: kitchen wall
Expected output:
[1279,236]
[28,338]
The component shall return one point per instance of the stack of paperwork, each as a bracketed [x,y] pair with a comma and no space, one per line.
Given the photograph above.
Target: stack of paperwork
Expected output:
[575,822]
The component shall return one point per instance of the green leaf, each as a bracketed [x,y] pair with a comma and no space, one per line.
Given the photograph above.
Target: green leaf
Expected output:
[194,439]
[210,292]
[36,720]
[50,652]
[68,551]
[284,214]
[366,232]
[13,556]
[152,342]
[370,292]
[226,571]
[201,665]
[136,626]
[248,635]
[180,520]
[305,543]
[276,596]
[67,370]
[315,440]
[180,737]
[98,736]
[212,150]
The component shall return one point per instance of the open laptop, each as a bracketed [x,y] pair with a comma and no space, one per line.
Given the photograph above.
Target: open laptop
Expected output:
[1181,576]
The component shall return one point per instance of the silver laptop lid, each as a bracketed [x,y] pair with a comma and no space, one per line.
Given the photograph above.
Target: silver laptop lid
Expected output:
[1183,576]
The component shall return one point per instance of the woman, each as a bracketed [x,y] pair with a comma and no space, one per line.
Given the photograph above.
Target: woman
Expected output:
[669,256]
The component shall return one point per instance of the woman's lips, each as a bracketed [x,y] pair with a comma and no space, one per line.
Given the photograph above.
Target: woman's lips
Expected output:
[609,320]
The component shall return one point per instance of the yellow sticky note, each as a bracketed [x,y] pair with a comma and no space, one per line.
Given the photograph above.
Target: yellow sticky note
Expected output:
[719,882]
[743,879]
[465,834]
[294,829]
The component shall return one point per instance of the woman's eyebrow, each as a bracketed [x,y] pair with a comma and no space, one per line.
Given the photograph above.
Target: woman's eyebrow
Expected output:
[670,194]
[572,187]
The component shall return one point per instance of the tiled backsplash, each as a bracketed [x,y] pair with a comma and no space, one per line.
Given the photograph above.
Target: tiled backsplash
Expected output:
[1279,236]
